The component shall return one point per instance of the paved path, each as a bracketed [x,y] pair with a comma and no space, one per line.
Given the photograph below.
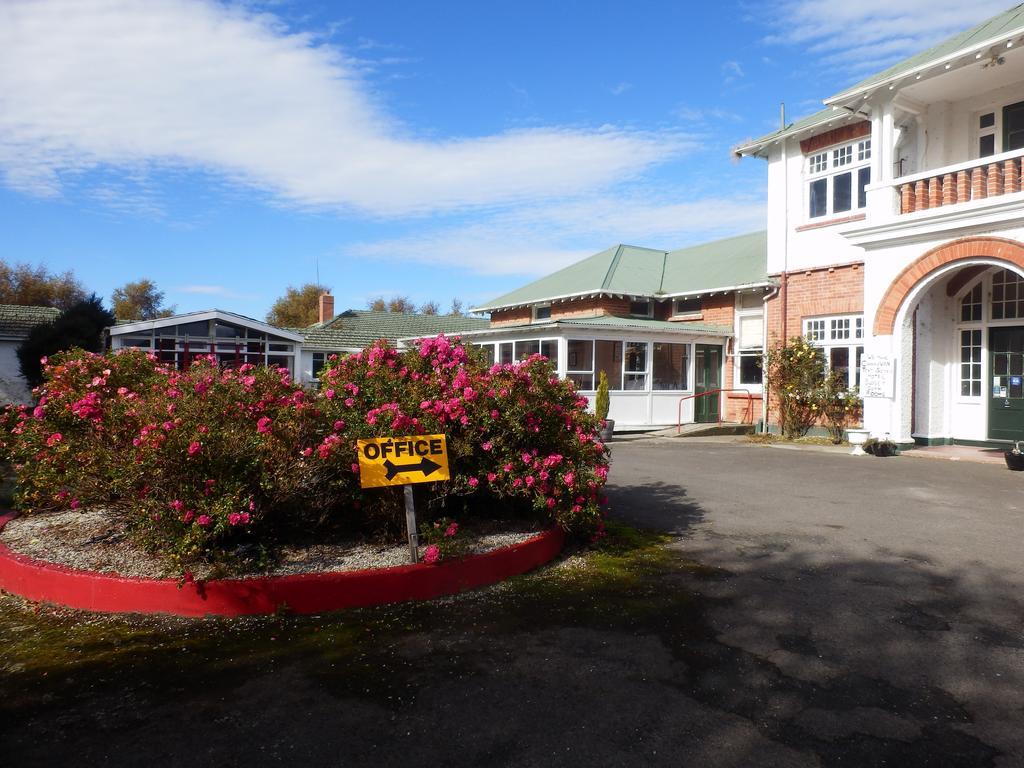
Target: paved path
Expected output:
[814,609]
[874,607]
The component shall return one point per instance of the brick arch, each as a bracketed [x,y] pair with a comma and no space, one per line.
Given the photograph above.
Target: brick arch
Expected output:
[999,248]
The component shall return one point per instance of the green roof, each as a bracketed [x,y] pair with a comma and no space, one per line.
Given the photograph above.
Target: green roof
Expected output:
[359,328]
[17,320]
[627,270]
[612,321]
[1006,25]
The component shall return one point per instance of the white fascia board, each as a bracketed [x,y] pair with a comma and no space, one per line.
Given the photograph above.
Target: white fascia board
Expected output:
[711,291]
[755,148]
[196,317]
[931,66]
[548,299]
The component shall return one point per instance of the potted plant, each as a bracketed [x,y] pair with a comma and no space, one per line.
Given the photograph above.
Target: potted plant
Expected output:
[876,447]
[601,404]
[1014,457]
[857,438]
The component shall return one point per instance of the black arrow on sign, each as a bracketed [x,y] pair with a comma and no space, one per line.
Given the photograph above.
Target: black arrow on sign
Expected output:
[425,465]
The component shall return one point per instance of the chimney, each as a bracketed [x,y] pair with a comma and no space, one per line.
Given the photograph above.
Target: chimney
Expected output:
[326,307]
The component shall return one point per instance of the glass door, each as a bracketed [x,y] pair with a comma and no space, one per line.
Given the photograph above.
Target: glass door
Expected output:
[707,377]
[1006,402]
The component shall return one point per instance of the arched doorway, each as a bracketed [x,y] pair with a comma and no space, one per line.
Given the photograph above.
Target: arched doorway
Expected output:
[956,316]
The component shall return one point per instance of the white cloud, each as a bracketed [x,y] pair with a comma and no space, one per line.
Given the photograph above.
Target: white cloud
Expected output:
[732,71]
[872,33]
[198,85]
[620,88]
[536,240]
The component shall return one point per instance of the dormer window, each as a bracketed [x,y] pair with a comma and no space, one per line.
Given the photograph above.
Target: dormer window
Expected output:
[541,312]
[641,307]
[838,178]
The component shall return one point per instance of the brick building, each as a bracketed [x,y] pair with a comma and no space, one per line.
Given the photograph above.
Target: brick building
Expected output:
[664,326]
[896,237]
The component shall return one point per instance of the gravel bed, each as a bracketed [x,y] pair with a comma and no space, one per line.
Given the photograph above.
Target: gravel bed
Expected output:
[88,540]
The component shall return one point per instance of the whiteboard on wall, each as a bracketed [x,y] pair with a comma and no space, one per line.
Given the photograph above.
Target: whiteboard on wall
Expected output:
[877,376]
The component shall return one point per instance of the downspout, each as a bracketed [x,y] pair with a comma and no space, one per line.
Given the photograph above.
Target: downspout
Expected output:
[764,348]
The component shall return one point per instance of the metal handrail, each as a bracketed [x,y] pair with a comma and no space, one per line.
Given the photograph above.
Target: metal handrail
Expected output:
[749,411]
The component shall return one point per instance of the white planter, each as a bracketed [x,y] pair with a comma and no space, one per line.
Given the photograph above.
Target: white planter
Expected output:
[857,438]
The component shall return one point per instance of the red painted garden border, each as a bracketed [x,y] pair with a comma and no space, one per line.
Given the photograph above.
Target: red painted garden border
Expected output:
[303,593]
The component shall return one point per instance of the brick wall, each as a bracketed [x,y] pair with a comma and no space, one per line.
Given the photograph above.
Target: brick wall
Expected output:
[835,136]
[518,316]
[601,305]
[835,290]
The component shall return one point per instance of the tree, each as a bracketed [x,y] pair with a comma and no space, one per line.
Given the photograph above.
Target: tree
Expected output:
[36,286]
[140,301]
[429,308]
[80,325]
[457,309]
[394,304]
[377,305]
[298,307]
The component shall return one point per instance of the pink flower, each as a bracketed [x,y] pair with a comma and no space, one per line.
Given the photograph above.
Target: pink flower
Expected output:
[194,447]
[188,516]
[339,425]
[349,402]
[451,530]
[177,505]
[234,518]
[203,520]
[53,439]
[75,503]
[487,446]
[329,394]
[491,477]
[569,478]
[307,452]
[431,554]
[473,482]
[263,425]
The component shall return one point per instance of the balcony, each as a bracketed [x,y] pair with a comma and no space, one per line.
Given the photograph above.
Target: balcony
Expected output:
[980,179]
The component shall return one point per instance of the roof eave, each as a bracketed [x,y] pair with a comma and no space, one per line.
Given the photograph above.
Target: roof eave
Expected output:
[947,59]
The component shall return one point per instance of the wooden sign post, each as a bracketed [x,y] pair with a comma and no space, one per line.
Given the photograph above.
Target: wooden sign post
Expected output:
[387,461]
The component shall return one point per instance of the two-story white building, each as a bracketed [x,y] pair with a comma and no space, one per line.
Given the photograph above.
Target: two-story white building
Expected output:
[896,235]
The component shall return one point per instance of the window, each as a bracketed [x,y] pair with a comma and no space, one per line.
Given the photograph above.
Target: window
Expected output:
[580,365]
[749,341]
[542,312]
[970,305]
[641,307]
[838,179]
[505,356]
[838,338]
[687,306]
[1007,295]
[970,363]
[670,362]
[488,350]
[987,134]
[634,368]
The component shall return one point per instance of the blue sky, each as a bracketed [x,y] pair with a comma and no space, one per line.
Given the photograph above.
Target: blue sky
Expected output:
[434,150]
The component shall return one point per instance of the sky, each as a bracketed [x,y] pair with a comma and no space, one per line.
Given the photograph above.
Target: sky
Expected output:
[228,150]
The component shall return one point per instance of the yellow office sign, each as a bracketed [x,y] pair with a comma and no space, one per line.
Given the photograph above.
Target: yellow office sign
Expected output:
[387,461]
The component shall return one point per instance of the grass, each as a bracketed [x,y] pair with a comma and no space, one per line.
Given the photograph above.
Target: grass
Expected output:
[618,583]
[770,437]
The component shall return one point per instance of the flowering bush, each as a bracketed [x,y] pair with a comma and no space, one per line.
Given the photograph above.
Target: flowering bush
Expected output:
[795,372]
[442,540]
[840,406]
[199,462]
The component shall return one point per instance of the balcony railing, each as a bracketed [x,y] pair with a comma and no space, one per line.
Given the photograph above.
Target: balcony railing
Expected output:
[974,180]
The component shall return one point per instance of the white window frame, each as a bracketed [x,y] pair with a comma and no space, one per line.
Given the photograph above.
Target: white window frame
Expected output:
[822,165]
[749,351]
[534,318]
[650,307]
[833,340]
[676,312]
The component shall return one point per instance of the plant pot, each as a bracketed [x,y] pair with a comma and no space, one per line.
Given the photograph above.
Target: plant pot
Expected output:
[857,438]
[1014,461]
[607,429]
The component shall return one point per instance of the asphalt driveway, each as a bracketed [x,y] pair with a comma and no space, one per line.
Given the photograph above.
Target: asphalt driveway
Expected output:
[800,609]
[873,608]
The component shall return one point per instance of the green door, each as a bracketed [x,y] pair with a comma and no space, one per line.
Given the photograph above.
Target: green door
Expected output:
[707,377]
[1006,399]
